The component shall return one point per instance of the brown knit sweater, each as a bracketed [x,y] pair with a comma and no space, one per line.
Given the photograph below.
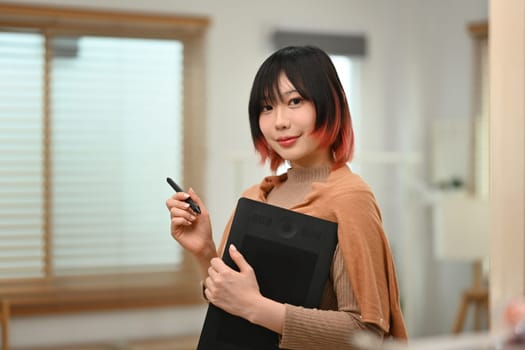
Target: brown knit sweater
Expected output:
[339,315]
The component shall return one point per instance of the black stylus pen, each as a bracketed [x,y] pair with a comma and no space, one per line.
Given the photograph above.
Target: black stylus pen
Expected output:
[192,204]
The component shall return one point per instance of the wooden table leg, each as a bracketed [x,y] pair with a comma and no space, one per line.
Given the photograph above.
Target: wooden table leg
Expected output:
[479,300]
[462,313]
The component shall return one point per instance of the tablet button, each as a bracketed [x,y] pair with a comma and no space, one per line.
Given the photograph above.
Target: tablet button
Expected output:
[287,230]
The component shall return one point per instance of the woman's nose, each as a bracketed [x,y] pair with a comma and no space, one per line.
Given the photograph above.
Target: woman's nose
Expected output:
[281,119]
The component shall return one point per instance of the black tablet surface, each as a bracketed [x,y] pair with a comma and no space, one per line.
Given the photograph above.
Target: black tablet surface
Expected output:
[291,254]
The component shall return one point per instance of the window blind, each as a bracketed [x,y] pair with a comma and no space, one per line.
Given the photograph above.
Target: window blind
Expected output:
[115,132]
[21,167]
[116,107]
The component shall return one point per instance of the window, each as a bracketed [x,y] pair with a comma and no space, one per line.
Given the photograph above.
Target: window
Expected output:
[21,150]
[348,71]
[116,107]
[93,117]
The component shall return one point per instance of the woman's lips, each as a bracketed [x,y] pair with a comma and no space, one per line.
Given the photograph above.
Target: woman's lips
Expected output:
[287,141]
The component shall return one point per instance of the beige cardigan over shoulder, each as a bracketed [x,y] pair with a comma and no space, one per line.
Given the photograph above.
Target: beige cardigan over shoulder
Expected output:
[346,199]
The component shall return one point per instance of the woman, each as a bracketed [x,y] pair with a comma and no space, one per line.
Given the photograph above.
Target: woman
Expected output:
[299,114]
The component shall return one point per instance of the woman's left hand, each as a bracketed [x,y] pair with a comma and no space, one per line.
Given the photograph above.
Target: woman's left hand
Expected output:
[235,292]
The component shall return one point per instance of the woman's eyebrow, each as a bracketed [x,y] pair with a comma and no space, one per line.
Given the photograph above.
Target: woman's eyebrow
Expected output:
[289,92]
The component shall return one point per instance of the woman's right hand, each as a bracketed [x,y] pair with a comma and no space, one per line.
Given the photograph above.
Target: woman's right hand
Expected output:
[192,231]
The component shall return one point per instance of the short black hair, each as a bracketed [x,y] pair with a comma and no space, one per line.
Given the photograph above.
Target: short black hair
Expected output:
[312,73]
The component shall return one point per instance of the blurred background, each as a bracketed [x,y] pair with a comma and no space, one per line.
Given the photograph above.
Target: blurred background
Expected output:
[92,123]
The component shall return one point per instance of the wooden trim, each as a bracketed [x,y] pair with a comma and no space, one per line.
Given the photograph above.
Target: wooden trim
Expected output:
[99,292]
[46,157]
[479,34]
[176,343]
[479,30]
[181,342]
[194,144]
[76,20]
[58,295]
[5,324]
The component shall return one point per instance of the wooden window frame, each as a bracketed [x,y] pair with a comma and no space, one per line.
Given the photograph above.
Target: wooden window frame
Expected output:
[55,291]
[478,32]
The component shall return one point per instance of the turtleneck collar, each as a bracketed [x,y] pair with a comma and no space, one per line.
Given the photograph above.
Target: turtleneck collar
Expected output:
[308,175]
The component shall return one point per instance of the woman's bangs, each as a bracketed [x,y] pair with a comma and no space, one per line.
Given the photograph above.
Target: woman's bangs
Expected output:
[268,92]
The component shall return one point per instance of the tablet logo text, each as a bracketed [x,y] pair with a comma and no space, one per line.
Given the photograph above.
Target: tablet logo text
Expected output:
[260,219]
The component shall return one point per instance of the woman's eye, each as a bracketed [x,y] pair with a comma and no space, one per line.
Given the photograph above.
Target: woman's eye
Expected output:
[295,101]
[266,108]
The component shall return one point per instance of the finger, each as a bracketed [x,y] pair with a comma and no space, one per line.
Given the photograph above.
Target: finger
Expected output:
[179,221]
[209,296]
[176,203]
[208,283]
[208,289]
[181,196]
[212,273]
[219,266]
[196,199]
[238,259]
[181,213]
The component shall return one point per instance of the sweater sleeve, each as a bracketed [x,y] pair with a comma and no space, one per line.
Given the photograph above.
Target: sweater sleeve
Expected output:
[312,329]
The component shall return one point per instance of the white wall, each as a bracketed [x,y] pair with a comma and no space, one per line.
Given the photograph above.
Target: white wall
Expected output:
[430,79]
[417,69]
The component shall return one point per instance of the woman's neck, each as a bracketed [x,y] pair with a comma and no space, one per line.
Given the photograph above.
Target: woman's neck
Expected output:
[297,185]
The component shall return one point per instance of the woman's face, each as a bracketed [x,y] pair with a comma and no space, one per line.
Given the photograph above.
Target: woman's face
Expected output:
[287,126]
